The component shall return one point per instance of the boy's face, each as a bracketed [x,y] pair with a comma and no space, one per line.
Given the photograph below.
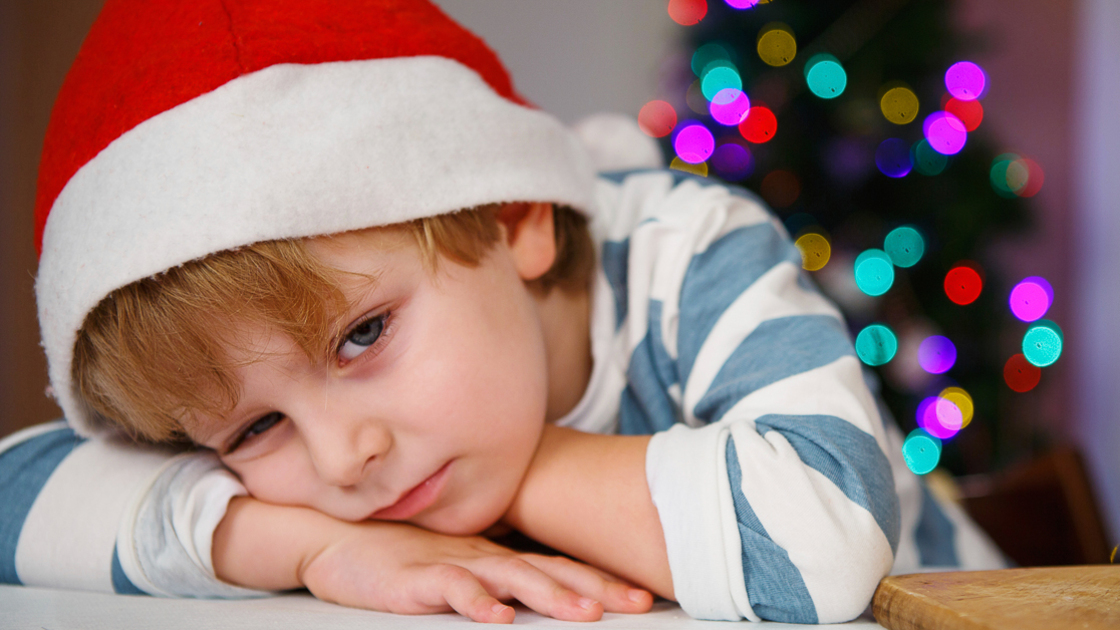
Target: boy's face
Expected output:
[428,410]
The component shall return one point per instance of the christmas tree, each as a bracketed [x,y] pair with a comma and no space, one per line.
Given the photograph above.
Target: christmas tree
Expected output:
[860,123]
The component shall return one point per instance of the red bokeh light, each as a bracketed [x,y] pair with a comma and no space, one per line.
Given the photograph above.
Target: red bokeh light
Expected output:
[963,285]
[759,126]
[969,112]
[687,12]
[657,119]
[1021,375]
[1035,177]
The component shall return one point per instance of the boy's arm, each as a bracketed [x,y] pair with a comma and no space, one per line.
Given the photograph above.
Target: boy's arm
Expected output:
[767,465]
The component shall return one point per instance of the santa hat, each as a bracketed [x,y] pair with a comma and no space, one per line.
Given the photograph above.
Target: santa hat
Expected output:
[187,127]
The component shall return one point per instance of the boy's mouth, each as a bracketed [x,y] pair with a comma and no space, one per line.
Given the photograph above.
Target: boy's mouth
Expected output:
[416,500]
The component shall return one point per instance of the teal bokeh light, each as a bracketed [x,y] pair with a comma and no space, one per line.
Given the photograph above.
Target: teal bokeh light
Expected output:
[921,451]
[905,246]
[825,76]
[706,54]
[719,77]
[1042,345]
[876,344]
[927,161]
[874,272]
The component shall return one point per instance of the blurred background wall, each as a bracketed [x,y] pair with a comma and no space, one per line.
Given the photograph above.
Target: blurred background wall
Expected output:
[1053,67]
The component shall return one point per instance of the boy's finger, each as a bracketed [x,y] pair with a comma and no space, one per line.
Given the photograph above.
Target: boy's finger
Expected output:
[465,594]
[536,589]
[615,594]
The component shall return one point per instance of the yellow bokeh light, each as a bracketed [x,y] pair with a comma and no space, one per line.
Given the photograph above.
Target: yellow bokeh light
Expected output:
[815,251]
[899,105]
[776,45]
[700,169]
[962,400]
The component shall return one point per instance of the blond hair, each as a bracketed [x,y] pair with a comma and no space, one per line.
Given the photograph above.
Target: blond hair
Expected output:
[156,351]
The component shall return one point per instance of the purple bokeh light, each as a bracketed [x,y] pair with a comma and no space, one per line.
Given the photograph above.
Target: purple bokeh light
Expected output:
[945,132]
[732,161]
[730,106]
[940,418]
[741,4]
[965,81]
[893,157]
[1031,298]
[937,354]
[694,143]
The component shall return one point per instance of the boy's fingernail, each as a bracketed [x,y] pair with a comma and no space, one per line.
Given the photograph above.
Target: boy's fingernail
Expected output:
[499,608]
[635,595]
[586,604]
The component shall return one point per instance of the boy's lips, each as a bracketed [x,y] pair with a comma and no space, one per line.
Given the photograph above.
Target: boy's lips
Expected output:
[415,500]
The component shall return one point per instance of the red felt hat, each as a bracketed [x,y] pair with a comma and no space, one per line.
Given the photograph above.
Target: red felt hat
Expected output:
[188,127]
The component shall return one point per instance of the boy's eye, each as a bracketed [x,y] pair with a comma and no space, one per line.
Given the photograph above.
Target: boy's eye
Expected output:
[262,425]
[361,337]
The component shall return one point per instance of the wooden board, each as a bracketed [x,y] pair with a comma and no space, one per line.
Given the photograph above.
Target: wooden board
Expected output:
[1082,597]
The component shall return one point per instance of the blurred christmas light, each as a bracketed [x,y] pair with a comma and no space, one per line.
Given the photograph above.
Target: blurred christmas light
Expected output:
[741,4]
[937,354]
[998,174]
[899,105]
[776,44]
[970,113]
[876,344]
[730,106]
[893,158]
[825,76]
[700,169]
[657,119]
[815,250]
[759,126]
[962,400]
[926,160]
[905,246]
[687,12]
[1042,344]
[706,54]
[1031,298]
[963,285]
[874,272]
[921,451]
[780,188]
[945,132]
[965,81]
[719,76]
[940,417]
[694,143]
[732,161]
[695,100]
[1024,177]
[1020,375]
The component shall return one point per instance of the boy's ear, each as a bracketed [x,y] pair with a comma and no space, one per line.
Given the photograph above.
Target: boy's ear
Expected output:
[531,237]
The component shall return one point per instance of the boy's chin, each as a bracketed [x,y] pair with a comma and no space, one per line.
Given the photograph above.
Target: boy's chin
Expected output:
[456,523]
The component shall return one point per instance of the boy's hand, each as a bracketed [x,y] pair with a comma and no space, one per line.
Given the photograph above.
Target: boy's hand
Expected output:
[395,567]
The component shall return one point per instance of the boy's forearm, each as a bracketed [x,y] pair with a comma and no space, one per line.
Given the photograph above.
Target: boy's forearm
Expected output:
[266,547]
[586,495]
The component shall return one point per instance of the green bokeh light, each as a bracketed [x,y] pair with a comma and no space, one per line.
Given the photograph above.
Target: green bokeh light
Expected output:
[998,175]
[706,54]
[876,344]
[874,272]
[825,76]
[1042,344]
[921,451]
[905,246]
[927,161]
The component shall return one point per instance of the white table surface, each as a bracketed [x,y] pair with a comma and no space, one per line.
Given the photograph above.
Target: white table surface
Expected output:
[46,609]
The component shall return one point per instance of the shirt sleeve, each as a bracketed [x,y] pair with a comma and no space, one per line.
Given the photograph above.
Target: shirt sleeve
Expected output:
[101,515]
[768,465]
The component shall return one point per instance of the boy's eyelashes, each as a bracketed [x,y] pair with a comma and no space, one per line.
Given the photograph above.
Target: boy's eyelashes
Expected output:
[262,424]
[361,336]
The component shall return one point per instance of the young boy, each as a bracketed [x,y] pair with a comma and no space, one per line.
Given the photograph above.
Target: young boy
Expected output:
[329,243]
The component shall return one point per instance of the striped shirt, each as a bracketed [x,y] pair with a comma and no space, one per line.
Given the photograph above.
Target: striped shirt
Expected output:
[777,477]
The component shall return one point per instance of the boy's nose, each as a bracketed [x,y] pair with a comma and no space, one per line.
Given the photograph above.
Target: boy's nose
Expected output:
[342,448]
